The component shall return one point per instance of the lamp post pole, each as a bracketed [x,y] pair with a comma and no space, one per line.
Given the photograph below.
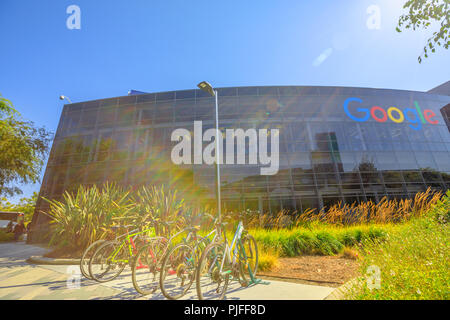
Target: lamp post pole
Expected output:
[218,134]
[205,86]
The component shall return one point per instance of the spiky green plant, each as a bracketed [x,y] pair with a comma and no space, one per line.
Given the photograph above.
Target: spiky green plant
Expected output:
[159,204]
[87,215]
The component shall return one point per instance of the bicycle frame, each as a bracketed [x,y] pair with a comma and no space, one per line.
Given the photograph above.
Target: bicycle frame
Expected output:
[232,252]
[235,243]
[129,240]
[214,231]
[186,240]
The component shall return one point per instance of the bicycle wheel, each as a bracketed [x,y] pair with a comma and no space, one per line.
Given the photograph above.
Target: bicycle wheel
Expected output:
[108,261]
[146,266]
[86,257]
[248,258]
[178,271]
[211,281]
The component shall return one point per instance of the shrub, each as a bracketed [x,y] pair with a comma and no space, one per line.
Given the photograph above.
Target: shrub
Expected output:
[386,211]
[306,242]
[350,253]
[323,240]
[6,237]
[413,262]
[441,210]
[267,260]
[88,215]
[327,244]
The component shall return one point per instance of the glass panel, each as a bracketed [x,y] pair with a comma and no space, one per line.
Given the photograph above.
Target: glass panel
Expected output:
[433,179]
[300,160]
[354,137]
[147,117]
[125,115]
[247,91]
[185,110]
[308,203]
[89,118]
[442,160]
[386,161]
[204,109]
[107,116]
[331,201]
[425,160]
[165,96]
[412,176]
[186,94]
[163,112]
[127,100]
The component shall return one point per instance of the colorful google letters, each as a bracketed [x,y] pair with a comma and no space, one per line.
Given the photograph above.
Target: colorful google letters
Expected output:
[414,116]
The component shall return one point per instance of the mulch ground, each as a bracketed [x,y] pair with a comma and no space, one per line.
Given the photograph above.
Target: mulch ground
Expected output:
[330,271]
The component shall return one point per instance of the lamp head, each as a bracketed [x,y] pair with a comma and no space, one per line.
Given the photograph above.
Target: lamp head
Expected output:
[61,97]
[205,86]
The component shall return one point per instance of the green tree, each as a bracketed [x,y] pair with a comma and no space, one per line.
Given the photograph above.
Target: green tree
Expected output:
[23,149]
[421,13]
[25,205]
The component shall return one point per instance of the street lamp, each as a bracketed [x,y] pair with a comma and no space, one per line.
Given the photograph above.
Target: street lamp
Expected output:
[64,97]
[205,86]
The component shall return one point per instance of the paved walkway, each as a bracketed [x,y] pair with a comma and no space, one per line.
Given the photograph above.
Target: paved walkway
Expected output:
[20,280]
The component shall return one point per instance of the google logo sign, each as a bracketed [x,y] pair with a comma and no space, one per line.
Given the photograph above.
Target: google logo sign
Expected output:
[414,116]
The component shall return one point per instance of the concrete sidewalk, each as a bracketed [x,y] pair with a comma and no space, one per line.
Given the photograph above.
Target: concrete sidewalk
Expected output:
[20,280]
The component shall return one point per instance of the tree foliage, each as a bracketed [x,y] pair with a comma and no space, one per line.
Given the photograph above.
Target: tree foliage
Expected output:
[421,13]
[25,206]
[23,149]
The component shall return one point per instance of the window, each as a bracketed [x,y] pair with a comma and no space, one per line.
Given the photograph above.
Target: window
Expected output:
[248,91]
[88,118]
[186,94]
[204,109]
[412,176]
[425,160]
[125,115]
[165,96]
[127,100]
[185,110]
[146,117]
[107,116]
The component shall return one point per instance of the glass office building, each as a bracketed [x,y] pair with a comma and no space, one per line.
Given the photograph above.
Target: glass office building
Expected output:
[336,144]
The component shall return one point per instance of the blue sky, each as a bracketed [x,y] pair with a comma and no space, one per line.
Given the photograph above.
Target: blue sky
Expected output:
[168,45]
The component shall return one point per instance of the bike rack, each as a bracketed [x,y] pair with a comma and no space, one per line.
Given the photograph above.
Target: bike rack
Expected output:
[254,281]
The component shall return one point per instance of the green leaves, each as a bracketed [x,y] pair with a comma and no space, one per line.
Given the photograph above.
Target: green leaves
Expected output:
[25,205]
[23,148]
[6,107]
[88,215]
[419,15]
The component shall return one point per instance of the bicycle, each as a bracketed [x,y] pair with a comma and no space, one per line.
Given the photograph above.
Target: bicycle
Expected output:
[146,265]
[220,261]
[180,263]
[147,280]
[86,257]
[114,255]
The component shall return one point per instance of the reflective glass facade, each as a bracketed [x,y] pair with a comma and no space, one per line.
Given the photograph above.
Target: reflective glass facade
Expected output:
[325,156]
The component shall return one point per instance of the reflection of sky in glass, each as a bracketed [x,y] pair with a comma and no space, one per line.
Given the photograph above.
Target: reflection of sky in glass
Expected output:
[322,152]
